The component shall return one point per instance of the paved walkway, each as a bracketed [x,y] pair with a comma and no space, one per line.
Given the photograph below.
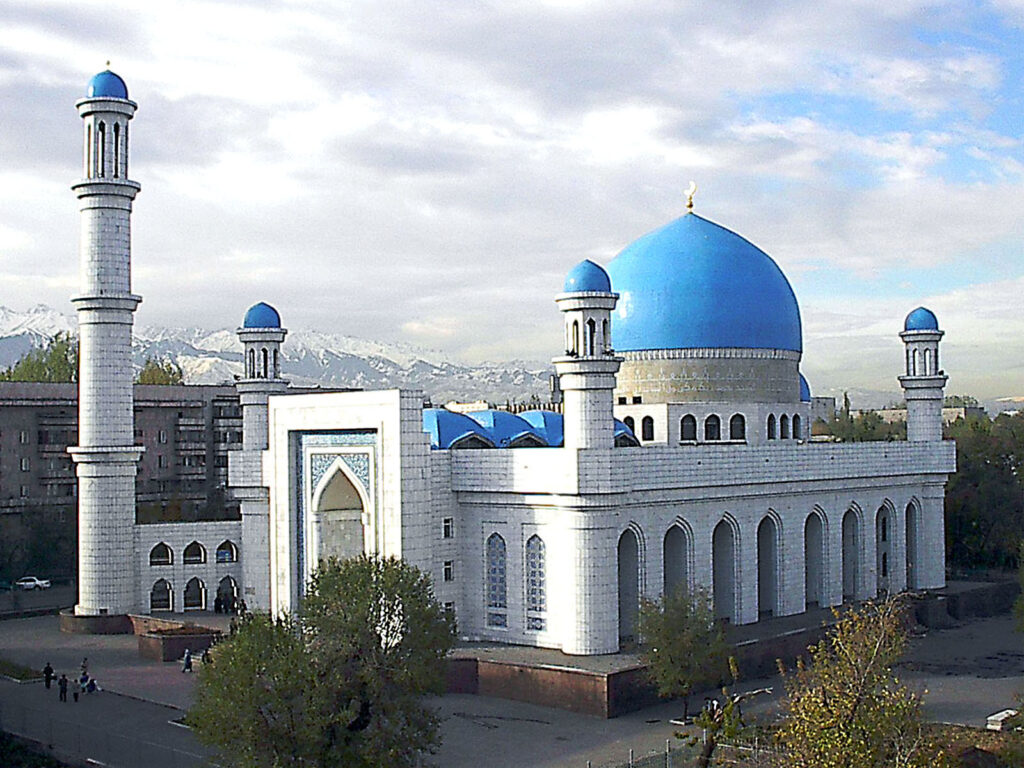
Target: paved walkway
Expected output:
[968,672]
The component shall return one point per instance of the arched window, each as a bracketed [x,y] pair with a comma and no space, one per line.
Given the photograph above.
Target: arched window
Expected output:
[688,428]
[737,427]
[101,138]
[928,370]
[117,149]
[89,153]
[628,421]
[250,357]
[591,333]
[277,365]
[604,335]
[161,554]
[647,428]
[575,348]
[910,362]
[227,552]
[195,594]
[497,583]
[161,596]
[263,363]
[712,428]
[797,435]
[194,554]
[536,585]
[771,426]
[784,427]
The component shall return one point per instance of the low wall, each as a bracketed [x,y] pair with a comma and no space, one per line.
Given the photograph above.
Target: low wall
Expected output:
[159,647]
[107,624]
[990,599]
[142,625]
[600,694]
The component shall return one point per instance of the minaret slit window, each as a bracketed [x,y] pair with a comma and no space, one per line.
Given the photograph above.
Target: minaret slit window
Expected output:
[771,426]
[126,150]
[784,427]
[910,362]
[117,150]
[605,338]
[536,584]
[647,428]
[928,371]
[591,333]
[263,363]
[250,364]
[688,428]
[796,427]
[497,582]
[737,427]
[712,428]
[277,365]
[101,140]
[575,348]
[88,151]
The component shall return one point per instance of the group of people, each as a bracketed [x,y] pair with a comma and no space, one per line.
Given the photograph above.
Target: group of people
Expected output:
[85,683]
[228,604]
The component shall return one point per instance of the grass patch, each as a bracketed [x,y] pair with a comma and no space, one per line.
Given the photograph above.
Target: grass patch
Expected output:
[16,754]
[17,671]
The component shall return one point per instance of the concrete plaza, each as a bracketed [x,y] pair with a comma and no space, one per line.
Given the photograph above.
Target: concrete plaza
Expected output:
[968,672]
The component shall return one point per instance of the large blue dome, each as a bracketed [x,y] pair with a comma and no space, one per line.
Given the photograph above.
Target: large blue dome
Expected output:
[261,315]
[107,84]
[693,284]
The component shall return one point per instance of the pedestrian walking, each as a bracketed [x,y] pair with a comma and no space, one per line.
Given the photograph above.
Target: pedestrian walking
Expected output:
[186,665]
[85,665]
[62,686]
[48,675]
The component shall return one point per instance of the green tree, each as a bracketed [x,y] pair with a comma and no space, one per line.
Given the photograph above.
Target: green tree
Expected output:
[846,709]
[340,683]
[684,646]
[157,372]
[56,362]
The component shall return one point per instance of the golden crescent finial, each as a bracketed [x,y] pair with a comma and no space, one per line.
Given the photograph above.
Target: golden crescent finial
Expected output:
[108,63]
[689,196]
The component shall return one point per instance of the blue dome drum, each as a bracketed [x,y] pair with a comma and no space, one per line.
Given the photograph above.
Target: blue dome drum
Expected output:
[704,310]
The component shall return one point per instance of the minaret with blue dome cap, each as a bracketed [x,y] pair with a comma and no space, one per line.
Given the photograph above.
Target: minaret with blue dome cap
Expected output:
[106,456]
[587,370]
[924,381]
[261,335]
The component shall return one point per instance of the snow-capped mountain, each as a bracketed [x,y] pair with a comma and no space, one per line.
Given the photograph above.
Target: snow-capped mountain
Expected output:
[308,357]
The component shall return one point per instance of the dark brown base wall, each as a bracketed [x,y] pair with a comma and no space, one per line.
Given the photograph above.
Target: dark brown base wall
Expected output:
[600,694]
[108,624]
[172,647]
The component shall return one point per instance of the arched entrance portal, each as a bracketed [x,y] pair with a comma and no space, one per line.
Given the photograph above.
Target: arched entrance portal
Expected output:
[883,548]
[851,549]
[629,585]
[767,567]
[195,595]
[339,516]
[676,560]
[913,520]
[227,595]
[814,558]
[723,554]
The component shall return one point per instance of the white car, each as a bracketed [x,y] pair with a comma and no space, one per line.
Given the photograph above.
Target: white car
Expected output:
[31,582]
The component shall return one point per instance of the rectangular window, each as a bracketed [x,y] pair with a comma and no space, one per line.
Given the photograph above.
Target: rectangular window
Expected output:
[163,436]
[449,608]
[449,570]
[161,461]
[622,401]
[23,437]
[24,491]
[447,528]
[26,465]
[637,399]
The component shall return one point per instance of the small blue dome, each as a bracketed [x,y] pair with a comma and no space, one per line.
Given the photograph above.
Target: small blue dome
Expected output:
[107,84]
[693,284]
[921,319]
[548,424]
[447,428]
[507,430]
[805,390]
[624,435]
[261,315]
[587,276]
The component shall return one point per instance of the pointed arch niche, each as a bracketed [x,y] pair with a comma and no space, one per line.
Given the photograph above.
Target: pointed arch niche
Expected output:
[340,516]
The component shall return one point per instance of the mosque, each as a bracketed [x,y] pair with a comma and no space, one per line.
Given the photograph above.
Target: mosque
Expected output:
[681,457]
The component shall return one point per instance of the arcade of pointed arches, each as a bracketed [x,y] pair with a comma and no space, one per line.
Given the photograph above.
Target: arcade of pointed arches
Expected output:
[677,559]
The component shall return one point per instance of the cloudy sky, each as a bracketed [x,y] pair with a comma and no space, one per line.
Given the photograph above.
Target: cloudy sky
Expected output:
[428,172]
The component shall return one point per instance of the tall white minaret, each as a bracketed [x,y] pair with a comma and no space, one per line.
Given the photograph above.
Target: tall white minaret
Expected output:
[587,370]
[924,381]
[261,335]
[106,458]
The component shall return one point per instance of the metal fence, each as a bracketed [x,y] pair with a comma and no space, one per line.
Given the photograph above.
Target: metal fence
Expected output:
[748,753]
[83,743]
[677,754]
